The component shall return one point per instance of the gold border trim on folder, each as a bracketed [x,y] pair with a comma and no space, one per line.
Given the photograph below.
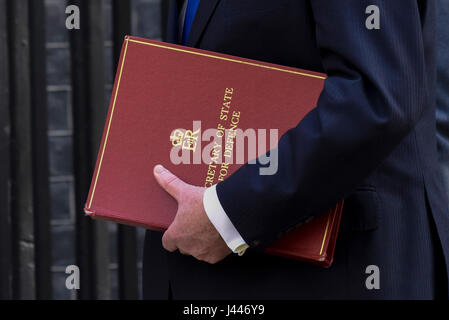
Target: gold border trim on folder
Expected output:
[109,125]
[227,59]
[325,234]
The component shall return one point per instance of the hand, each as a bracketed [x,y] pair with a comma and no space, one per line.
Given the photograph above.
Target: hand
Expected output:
[191,231]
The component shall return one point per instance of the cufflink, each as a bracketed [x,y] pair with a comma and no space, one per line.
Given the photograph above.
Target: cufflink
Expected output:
[240,250]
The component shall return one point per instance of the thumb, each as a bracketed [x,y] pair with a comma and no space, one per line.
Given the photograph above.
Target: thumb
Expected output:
[169,182]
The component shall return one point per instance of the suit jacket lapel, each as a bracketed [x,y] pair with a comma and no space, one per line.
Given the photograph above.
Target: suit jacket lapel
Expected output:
[202,18]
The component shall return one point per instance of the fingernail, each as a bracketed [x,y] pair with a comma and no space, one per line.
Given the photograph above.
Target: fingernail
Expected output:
[159,169]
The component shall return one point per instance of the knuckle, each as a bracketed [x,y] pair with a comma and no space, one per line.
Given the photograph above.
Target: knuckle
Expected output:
[167,239]
[166,236]
[165,245]
[215,260]
[200,257]
[207,258]
[170,179]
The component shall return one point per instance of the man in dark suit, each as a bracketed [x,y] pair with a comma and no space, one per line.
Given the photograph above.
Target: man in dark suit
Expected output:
[371,141]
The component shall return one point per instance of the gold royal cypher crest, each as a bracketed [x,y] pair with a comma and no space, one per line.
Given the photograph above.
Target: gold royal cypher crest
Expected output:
[187,139]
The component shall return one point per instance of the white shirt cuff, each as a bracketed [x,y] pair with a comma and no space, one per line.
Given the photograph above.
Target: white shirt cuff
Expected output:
[222,223]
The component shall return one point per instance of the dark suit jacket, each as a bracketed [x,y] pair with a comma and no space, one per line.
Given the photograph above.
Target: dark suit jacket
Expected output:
[442,102]
[370,140]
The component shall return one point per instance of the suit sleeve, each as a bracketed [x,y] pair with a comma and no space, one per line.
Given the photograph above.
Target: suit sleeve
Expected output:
[371,101]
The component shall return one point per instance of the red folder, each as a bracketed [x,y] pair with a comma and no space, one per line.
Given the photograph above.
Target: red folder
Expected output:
[160,90]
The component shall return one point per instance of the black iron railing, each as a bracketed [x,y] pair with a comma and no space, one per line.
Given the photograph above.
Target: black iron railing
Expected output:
[25,208]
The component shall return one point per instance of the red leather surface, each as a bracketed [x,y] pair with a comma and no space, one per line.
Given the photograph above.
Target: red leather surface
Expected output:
[160,87]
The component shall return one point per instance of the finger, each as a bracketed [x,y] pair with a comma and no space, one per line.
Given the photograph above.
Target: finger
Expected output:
[168,243]
[169,182]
